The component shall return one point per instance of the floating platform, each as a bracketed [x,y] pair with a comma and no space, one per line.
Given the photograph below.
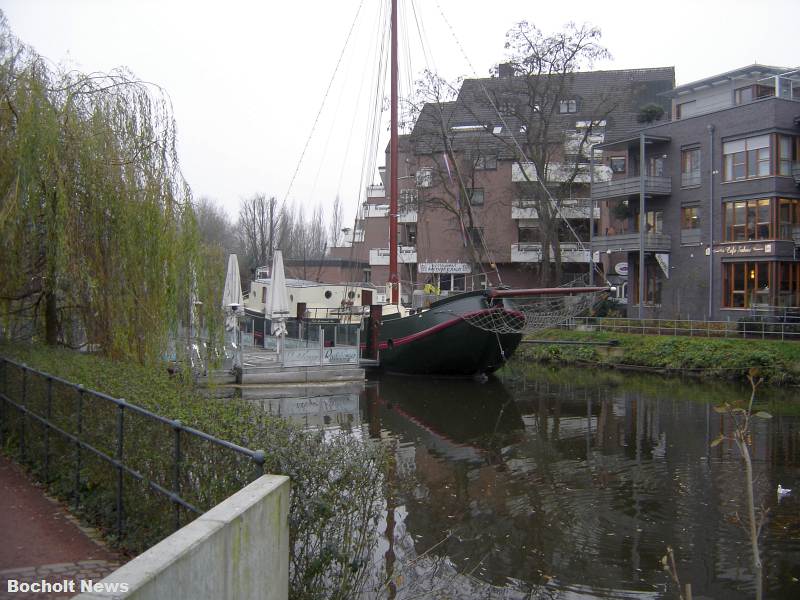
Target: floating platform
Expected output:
[296,374]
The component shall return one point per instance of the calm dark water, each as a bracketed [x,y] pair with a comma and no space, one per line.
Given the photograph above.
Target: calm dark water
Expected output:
[569,484]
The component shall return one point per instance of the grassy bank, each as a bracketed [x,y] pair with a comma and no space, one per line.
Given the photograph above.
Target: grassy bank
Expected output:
[777,362]
[336,480]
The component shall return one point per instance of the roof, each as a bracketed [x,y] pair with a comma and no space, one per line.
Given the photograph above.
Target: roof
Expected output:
[754,70]
[473,120]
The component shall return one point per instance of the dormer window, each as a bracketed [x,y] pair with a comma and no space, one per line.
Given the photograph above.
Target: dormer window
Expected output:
[567,106]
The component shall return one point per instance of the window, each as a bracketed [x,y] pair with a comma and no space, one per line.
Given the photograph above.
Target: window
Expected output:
[787,154]
[411,233]
[475,235]
[475,196]
[743,95]
[746,283]
[264,295]
[484,161]
[747,220]
[527,235]
[653,221]
[690,167]
[788,284]
[618,164]
[655,166]
[690,217]
[408,200]
[748,93]
[788,217]
[746,158]
[685,109]
[567,106]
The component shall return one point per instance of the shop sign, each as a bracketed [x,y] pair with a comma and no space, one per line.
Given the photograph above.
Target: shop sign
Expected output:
[621,268]
[743,249]
[444,267]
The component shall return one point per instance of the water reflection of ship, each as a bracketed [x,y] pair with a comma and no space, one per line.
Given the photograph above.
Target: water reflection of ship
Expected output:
[311,406]
[451,418]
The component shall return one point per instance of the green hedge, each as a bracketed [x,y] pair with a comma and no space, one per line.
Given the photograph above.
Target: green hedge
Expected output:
[778,362]
[337,481]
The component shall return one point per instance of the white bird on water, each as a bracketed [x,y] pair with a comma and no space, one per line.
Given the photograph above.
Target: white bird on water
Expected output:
[782,491]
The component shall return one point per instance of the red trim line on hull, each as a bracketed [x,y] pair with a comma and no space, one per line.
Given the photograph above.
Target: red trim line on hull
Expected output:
[436,328]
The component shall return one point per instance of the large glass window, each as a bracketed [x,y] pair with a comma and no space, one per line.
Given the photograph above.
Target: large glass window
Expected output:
[690,167]
[748,220]
[767,283]
[746,158]
[788,217]
[753,157]
[746,283]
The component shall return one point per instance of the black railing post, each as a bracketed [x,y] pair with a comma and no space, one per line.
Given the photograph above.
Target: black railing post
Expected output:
[120,445]
[258,457]
[176,482]
[22,416]
[78,445]
[47,429]
[3,403]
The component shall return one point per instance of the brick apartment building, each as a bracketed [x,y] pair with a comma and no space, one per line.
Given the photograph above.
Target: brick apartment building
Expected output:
[708,201]
[465,218]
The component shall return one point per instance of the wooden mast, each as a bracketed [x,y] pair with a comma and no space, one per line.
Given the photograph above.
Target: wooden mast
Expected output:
[393,167]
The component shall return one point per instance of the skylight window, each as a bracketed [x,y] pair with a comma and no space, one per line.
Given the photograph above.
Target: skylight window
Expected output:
[463,128]
[498,129]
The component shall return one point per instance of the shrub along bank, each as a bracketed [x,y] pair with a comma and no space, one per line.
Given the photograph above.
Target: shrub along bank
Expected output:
[336,481]
[778,362]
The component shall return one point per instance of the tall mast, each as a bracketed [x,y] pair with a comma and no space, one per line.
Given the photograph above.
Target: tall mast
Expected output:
[393,168]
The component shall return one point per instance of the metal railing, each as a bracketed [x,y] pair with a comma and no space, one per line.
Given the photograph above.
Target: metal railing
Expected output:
[78,439]
[782,329]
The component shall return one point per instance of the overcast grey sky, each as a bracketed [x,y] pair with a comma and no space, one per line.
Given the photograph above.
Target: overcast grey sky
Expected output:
[247,78]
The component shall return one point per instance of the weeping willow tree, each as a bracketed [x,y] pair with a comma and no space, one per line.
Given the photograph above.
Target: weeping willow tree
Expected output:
[99,239]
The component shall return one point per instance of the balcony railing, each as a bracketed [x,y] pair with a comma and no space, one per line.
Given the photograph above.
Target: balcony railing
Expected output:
[630,186]
[376,210]
[626,242]
[572,208]
[532,252]
[407,215]
[405,255]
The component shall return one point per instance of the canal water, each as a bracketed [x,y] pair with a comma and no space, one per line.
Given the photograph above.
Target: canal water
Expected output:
[568,483]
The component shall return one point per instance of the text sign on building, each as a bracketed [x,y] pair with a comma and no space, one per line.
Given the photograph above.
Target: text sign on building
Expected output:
[444,267]
[739,249]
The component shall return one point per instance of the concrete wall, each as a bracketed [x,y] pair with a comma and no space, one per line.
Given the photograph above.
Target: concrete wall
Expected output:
[239,549]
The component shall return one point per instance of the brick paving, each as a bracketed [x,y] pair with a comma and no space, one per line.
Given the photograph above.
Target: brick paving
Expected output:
[40,540]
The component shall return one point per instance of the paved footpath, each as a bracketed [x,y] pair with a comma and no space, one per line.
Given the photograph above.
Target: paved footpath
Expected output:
[39,540]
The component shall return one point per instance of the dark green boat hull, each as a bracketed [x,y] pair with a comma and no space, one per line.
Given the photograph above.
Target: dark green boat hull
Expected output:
[440,341]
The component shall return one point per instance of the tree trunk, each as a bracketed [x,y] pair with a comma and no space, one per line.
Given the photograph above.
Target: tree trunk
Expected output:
[50,318]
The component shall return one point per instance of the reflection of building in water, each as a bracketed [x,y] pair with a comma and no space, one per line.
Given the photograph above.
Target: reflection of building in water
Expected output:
[313,407]
[585,485]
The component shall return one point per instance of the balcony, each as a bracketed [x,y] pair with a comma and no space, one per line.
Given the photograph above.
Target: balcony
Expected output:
[405,255]
[375,210]
[532,252]
[573,208]
[376,191]
[407,215]
[796,172]
[559,173]
[630,186]
[627,242]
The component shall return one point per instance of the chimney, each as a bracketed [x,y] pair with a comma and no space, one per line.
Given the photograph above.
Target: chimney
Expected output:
[505,70]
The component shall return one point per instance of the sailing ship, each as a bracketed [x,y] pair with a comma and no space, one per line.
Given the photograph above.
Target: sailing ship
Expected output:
[472,333]
[467,334]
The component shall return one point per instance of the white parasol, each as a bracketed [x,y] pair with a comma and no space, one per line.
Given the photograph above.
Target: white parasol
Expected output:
[277,308]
